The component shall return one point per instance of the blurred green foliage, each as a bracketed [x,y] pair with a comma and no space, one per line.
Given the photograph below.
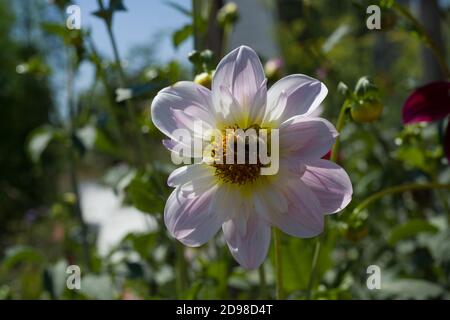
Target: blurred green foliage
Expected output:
[113,141]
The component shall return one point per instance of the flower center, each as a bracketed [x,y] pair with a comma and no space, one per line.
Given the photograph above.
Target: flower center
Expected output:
[236,157]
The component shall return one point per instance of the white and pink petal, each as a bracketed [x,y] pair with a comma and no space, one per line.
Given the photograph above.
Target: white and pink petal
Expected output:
[329,183]
[304,215]
[185,105]
[304,138]
[248,237]
[292,96]
[241,75]
[192,220]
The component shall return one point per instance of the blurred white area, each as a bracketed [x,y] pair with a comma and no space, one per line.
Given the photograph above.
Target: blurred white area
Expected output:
[103,208]
[255,27]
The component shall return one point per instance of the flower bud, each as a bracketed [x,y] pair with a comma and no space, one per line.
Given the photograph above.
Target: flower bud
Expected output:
[367,110]
[228,14]
[204,79]
[273,69]
[70,198]
[365,87]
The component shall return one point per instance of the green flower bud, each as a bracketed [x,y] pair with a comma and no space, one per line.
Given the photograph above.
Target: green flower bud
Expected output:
[368,110]
[70,198]
[228,14]
[204,79]
[365,88]
[194,57]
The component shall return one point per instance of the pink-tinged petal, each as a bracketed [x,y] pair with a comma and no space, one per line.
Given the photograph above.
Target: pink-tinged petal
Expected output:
[188,173]
[169,144]
[306,138]
[193,180]
[179,106]
[329,183]
[193,220]
[428,103]
[248,245]
[258,108]
[304,216]
[447,142]
[303,95]
[242,74]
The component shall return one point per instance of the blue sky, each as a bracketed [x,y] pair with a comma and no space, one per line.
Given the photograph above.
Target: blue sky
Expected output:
[145,21]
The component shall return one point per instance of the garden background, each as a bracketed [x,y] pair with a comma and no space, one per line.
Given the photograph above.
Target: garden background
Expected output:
[83,171]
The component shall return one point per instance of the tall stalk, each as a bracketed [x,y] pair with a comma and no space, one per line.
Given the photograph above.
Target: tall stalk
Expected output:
[140,154]
[72,161]
[279,289]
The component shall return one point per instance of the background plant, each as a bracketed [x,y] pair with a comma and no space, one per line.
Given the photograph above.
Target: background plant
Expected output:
[398,218]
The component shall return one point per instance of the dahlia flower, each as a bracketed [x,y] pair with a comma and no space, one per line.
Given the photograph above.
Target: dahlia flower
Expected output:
[238,198]
[430,103]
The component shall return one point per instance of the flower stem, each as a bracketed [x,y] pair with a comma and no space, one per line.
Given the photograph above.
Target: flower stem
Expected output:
[72,159]
[279,291]
[339,126]
[399,189]
[122,82]
[403,11]
[227,31]
[262,282]
[181,269]
[314,268]
[111,102]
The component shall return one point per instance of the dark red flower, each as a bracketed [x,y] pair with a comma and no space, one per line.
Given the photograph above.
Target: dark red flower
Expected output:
[327,156]
[429,103]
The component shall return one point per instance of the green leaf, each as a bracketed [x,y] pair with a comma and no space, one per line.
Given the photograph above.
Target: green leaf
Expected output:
[18,254]
[104,14]
[107,13]
[414,157]
[182,35]
[39,140]
[410,229]
[143,195]
[117,5]
[386,4]
[143,244]
[104,144]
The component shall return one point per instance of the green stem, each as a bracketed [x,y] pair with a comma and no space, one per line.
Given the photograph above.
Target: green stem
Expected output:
[402,10]
[262,282]
[72,161]
[279,293]
[195,23]
[227,31]
[78,211]
[181,278]
[399,189]
[111,102]
[122,82]
[312,277]
[339,126]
